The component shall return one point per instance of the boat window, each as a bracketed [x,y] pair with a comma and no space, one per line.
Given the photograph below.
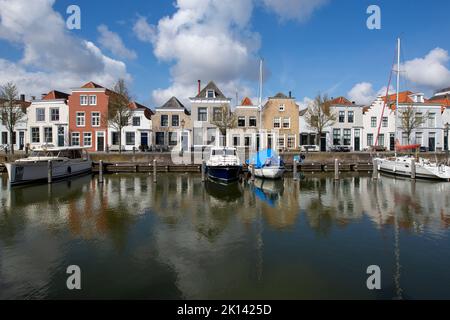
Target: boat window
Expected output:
[230,152]
[43,153]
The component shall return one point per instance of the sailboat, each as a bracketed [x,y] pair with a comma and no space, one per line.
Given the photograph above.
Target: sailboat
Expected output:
[410,166]
[268,165]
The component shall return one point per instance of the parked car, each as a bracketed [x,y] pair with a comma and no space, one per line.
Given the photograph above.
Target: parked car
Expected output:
[423,149]
[310,148]
[340,149]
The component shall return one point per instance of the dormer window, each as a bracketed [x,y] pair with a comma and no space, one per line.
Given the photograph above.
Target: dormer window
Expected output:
[210,94]
[281,108]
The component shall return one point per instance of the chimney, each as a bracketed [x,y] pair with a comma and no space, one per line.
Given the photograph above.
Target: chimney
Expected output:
[33,97]
[199,86]
[290,94]
[353,102]
[22,97]
[43,95]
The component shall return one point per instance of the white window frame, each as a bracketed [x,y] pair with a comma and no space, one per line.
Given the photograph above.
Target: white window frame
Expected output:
[51,114]
[45,136]
[277,120]
[78,115]
[84,139]
[289,121]
[84,101]
[281,108]
[213,94]
[94,117]
[39,134]
[71,139]
[37,114]
[95,100]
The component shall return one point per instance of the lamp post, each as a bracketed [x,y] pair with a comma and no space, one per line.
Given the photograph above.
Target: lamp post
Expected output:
[447,127]
[181,137]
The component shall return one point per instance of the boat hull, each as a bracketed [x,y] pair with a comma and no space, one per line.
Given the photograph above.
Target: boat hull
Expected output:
[403,168]
[35,172]
[224,173]
[270,172]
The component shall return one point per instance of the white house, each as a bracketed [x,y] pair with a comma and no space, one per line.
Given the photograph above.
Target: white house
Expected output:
[20,129]
[138,134]
[48,121]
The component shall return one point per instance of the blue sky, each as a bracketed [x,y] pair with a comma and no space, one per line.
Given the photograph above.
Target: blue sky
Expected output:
[329,50]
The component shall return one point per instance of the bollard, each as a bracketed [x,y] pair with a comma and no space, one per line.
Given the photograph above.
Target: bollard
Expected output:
[413,168]
[252,166]
[100,171]
[336,169]
[375,169]
[49,172]
[295,170]
[203,170]
[154,170]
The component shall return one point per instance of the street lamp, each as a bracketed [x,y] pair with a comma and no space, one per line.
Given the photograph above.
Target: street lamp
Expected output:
[183,122]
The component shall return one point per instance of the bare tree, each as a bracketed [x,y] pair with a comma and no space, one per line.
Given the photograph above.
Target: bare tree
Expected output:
[119,112]
[410,120]
[224,119]
[13,112]
[319,115]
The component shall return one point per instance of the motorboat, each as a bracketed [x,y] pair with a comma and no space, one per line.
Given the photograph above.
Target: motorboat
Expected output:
[223,164]
[268,165]
[403,166]
[64,162]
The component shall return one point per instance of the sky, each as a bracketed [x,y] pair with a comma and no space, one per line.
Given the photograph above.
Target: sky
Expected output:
[161,48]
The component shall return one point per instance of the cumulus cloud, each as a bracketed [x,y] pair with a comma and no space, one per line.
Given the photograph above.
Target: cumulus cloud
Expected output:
[52,57]
[364,93]
[114,43]
[299,10]
[144,31]
[430,72]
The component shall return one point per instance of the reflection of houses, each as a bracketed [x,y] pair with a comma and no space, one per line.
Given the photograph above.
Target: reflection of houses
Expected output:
[244,135]
[20,128]
[137,135]
[48,120]
[281,114]
[172,125]
[206,108]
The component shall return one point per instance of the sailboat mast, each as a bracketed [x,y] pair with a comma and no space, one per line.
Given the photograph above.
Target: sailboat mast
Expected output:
[260,92]
[398,90]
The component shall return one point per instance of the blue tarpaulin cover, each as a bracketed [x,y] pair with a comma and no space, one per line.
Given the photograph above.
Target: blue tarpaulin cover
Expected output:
[265,158]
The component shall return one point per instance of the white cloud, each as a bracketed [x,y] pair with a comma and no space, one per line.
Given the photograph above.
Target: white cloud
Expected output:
[144,31]
[299,10]
[113,42]
[52,58]
[303,104]
[363,93]
[429,72]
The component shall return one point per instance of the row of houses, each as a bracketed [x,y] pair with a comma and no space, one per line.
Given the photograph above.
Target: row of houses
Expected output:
[80,119]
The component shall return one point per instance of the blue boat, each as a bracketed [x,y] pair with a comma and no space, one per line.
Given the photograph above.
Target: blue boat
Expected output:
[267,164]
[223,165]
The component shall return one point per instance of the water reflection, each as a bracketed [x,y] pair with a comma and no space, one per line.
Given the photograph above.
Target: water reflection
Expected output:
[180,238]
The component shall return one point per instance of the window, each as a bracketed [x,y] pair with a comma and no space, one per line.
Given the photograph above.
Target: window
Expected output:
[247,141]
[202,114]
[286,123]
[432,120]
[217,114]
[282,107]
[277,122]
[373,122]
[211,135]
[95,119]
[115,138]
[336,137]
[87,139]
[419,139]
[83,100]
[370,139]
[252,122]
[304,139]
[54,114]
[419,118]
[341,116]
[93,100]
[159,138]
[347,137]
[236,140]
[175,120]
[75,138]
[385,122]
[281,142]
[40,114]
[35,136]
[210,94]
[137,121]
[291,142]
[173,139]
[48,135]
[130,138]
[405,139]
[164,120]
[4,137]
[80,119]
[350,116]
[381,140]
[198,136]
[241,121]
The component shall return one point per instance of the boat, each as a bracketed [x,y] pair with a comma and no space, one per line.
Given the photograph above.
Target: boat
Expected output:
[65,162]
[409,166]
[223,165]
[268,165]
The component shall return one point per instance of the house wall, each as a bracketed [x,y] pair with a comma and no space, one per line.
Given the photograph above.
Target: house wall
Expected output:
[356,127]
[139,132]
[157,127]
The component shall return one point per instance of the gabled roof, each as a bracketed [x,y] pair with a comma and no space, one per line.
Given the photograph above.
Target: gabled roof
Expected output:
[279,95]
[211,86]
[92,85]
[341,101]
[303,112]
[403,97]
[247,102]
[53,95]
[173,104]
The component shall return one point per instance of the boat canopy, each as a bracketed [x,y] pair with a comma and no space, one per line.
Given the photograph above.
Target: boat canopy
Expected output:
[265,158]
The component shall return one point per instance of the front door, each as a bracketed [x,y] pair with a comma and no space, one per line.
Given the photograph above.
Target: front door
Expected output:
[144,139]
[60,136]
[431,144]
[323,142]
[21,140]
[100,141]
[357,141]
[185,141]
[392,142]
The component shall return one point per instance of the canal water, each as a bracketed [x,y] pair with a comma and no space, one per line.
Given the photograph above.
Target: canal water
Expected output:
[181,239]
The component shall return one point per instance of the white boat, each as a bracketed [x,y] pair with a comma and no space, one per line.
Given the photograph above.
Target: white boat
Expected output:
[268,165]
[223,164]
[65,162]
[403,166]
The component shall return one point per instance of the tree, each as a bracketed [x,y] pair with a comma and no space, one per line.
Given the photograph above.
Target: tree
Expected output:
[319,115]
[410,120]
[13,112]
[119,112]
[224,119]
